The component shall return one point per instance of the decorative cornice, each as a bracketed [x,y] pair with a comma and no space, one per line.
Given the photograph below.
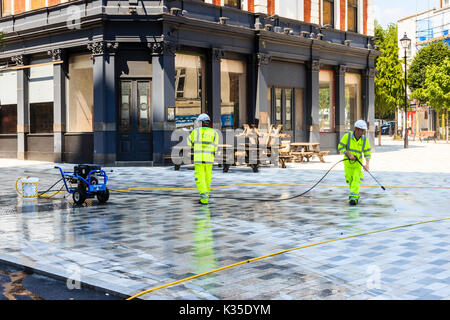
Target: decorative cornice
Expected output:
[18,60]
[162,48]
[102,47]
[217,54]
[314,65]
[341,69]
[370,72]
[263,59]
[55,54]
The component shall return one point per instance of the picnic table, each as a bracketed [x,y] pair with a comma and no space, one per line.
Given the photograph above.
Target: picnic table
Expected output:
[307,150]
[427,135]
[239,155]
[243,154]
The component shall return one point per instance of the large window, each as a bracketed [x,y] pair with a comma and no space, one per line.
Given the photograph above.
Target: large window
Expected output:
[41,97]
[6,7]
[352,15]
[233,3]
[326,100]
[8,119]
[8,102]
[233,112]
[189,84]
[80,94]
[328,12]
[41,117]
[282,106]
[353,104]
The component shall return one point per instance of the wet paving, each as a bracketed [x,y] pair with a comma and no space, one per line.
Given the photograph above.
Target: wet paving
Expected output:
[143,239]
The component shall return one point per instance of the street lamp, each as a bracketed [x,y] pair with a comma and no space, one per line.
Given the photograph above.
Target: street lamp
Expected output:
[405,41]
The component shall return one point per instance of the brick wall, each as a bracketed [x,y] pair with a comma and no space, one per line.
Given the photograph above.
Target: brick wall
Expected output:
[365,8]
[251,5]
[21,5]
[342,14]
[307,10]
[271,6]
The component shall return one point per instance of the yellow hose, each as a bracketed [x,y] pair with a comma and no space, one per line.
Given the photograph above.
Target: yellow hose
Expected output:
[17,189]
[277,253]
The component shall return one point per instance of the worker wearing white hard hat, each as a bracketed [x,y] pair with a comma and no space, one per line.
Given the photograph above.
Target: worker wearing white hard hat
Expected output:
[354,145]
[203,117]
[204,141]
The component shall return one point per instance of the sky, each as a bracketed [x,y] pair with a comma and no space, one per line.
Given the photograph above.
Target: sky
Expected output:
[387,11]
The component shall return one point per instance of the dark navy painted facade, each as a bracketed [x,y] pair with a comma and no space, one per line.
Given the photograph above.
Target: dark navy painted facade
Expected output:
[277,52]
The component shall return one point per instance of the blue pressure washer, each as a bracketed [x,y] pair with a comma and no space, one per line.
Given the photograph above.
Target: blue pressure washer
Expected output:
[87,185]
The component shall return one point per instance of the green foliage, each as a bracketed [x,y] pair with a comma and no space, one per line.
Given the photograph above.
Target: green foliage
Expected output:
[389,81]
[431,55]
[2,44]
[436,86]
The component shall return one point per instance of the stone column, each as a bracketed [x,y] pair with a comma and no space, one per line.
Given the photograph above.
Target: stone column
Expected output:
[369,101]
[262,105]
[59,104]
[213,87]
[339,110]
[163,96]
[312,110]
[103,54]
[23,118]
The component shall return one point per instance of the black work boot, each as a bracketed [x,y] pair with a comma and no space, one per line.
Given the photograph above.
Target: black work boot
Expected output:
[353,202]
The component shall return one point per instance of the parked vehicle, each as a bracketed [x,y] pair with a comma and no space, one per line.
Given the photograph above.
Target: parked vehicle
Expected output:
[377,123]
[388,127]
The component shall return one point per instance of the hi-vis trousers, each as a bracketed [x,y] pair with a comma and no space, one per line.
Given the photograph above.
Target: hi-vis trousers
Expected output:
[203,179]
[353,176]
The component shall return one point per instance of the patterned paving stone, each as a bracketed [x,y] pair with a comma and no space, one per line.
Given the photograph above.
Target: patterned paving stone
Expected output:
[143,239]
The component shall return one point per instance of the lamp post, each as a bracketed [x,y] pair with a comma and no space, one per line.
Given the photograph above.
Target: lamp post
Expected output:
[405,41]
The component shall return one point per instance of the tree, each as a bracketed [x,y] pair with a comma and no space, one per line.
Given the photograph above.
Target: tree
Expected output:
[436,88]
[2,44]
[431,55]
[389,82]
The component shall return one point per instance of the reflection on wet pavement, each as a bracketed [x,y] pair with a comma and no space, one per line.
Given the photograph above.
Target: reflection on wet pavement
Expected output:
[140,240]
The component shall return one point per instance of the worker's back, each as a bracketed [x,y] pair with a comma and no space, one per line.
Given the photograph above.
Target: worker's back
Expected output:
[205,141]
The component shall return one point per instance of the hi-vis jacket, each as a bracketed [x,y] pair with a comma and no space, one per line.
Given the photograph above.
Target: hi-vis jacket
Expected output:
[355,147]
[205,141]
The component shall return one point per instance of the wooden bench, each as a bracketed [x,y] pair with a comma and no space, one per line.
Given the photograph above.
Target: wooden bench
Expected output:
[321,154]
[302,154]
[427,135]
[283,159]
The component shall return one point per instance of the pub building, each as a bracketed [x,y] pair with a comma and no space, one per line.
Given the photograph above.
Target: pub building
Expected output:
[107,82]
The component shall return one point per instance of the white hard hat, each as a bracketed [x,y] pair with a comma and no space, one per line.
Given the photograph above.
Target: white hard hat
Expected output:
[203,117]
[361,124]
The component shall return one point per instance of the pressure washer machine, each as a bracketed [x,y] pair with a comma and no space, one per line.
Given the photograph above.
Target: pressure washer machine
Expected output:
[86,178]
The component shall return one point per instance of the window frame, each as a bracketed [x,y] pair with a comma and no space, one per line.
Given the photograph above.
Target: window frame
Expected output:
[283,106]
[332,12]
[332,107]
[354,7]
[238,6]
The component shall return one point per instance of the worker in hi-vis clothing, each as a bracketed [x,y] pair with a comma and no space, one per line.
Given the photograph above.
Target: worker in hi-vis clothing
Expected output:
[354,145]
[204,139]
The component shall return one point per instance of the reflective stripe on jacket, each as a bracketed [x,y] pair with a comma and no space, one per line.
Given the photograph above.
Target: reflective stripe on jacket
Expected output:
[358,148]
[205,141]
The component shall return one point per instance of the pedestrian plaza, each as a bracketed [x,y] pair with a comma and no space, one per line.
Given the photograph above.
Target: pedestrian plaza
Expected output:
[152,231]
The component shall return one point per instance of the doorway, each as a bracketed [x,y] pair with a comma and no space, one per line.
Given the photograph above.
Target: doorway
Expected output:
[135,142]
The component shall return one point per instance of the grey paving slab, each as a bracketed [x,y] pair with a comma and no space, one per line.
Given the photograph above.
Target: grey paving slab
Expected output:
[147,238]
